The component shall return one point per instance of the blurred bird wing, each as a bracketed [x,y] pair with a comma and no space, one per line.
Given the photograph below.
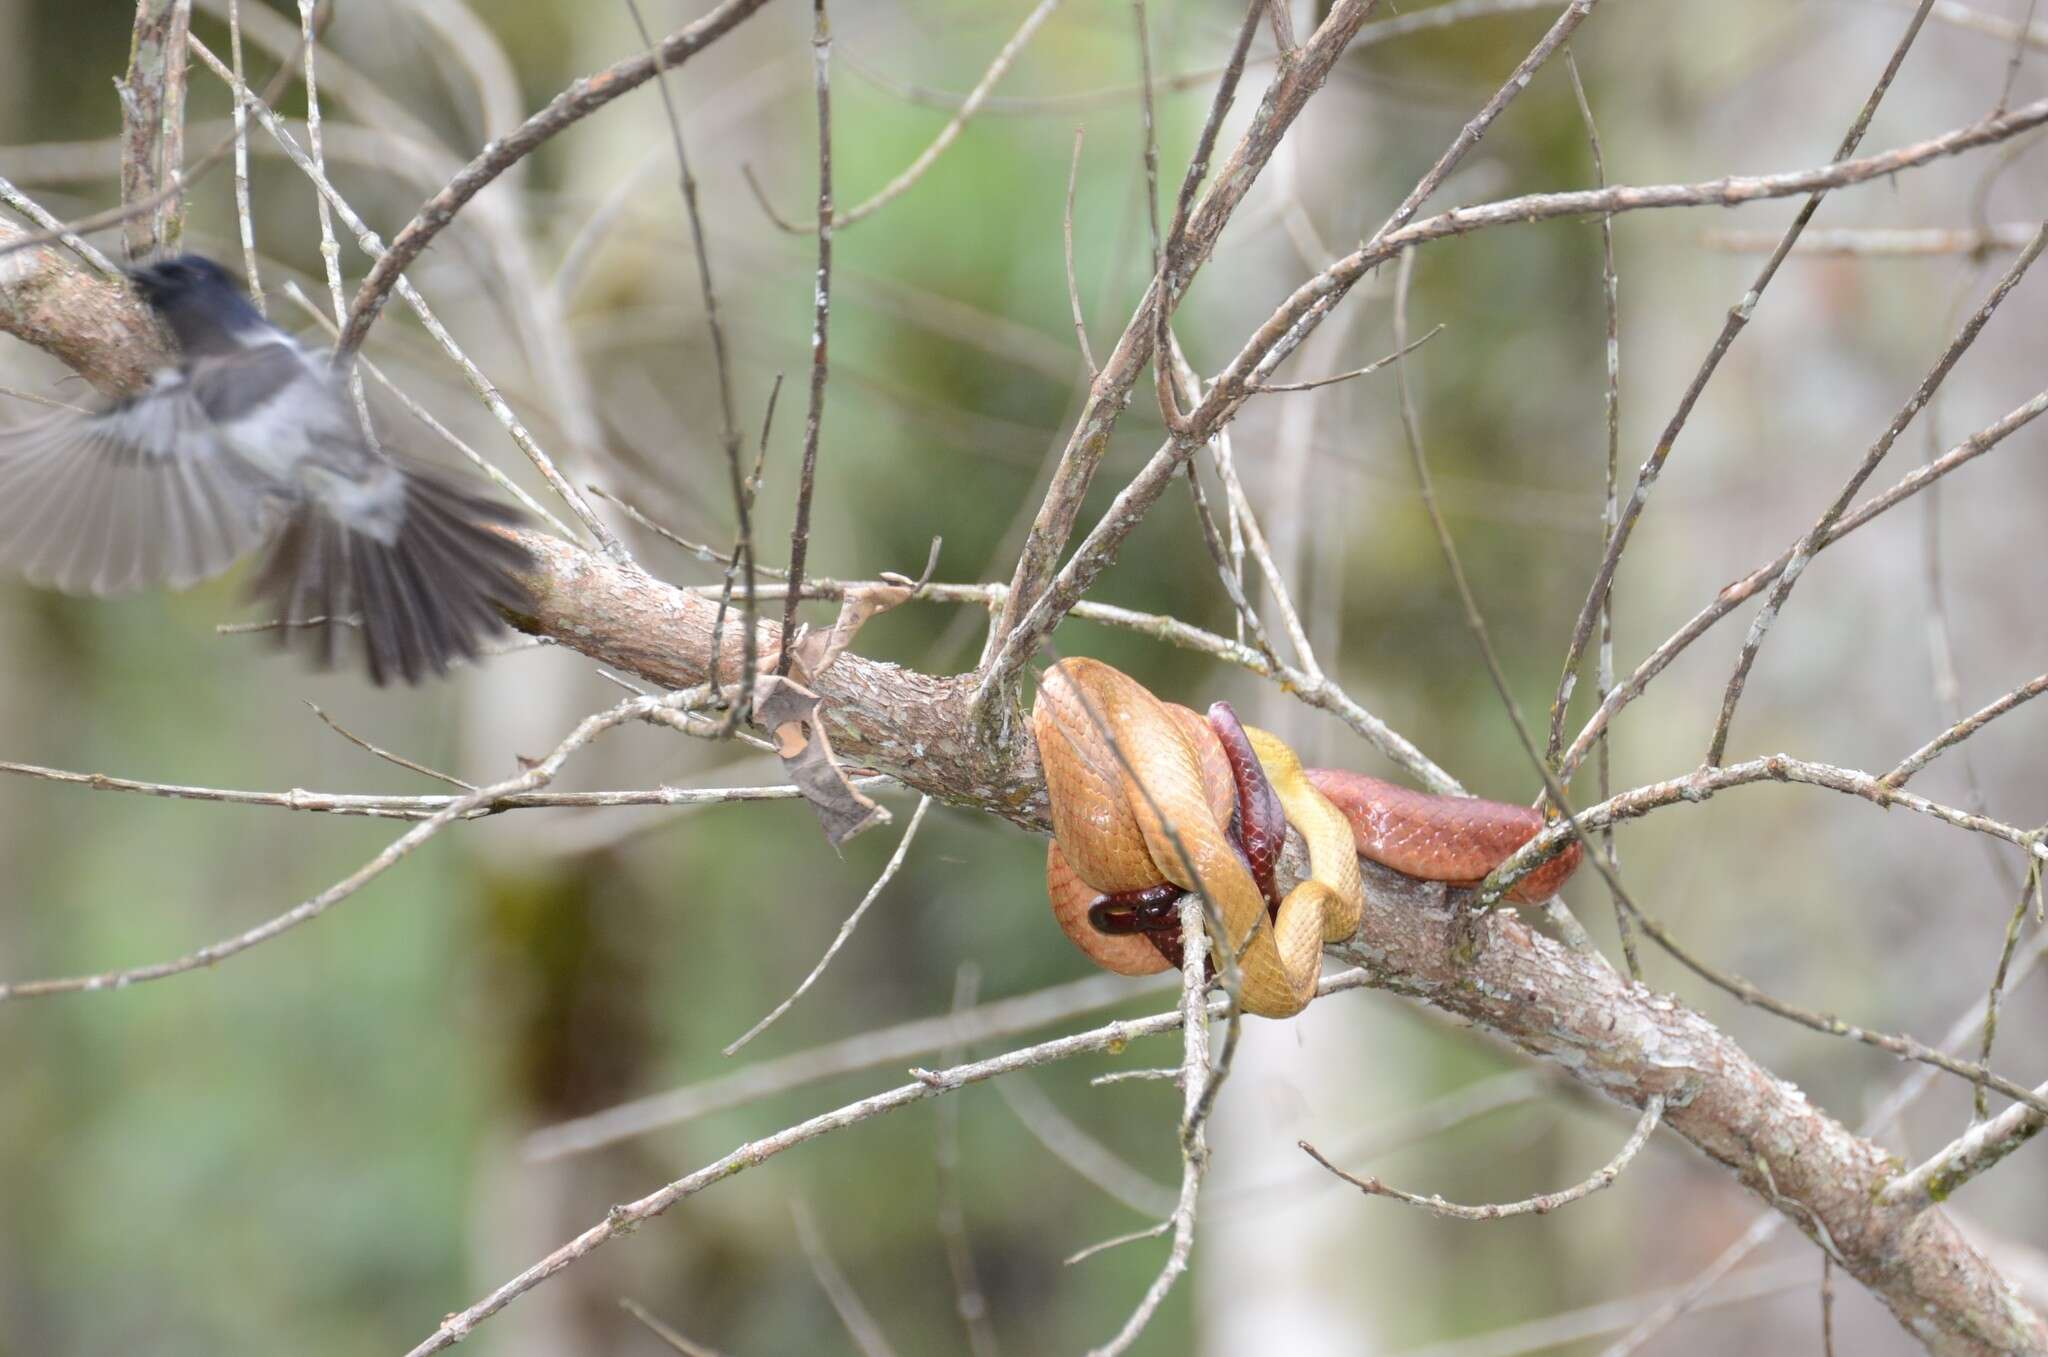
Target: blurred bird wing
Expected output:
[141,495]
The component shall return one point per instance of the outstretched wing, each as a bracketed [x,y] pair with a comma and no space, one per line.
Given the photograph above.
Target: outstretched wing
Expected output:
[141,495]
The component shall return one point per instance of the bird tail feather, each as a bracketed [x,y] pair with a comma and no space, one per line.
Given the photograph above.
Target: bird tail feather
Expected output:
[428,597]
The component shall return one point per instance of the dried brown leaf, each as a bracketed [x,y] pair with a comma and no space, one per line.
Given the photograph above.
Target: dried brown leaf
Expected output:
[790,710]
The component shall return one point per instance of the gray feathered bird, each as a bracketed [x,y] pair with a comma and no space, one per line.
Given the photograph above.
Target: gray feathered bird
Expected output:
[250,439]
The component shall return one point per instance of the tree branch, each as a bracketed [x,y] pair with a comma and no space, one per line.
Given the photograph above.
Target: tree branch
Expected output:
[572,105]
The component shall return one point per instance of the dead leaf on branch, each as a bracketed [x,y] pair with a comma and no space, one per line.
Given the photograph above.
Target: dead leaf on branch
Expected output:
[790,710]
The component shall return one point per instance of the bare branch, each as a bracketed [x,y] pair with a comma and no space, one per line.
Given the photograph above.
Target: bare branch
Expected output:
[1121,368]
[78,245]
[860,1325]
[948,134]
[1738,317]
[1732,595]
[1541,1204]
[153,126]
[664,1332]
[373,246]
[1967,1156]
[1963,730]
[969,1300]
[534,778]
[1083,1153]
[625,1218]
[889,870]
[573,104]
[398,760]
[245,219]
[1067,237]
[1807,545]
[1879,242]
[1195,1083]
[889,1046]
[1374,366]
[821,318]
[1023,629]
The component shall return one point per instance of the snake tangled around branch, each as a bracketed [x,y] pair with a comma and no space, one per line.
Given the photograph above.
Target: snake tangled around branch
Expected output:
[1150,800]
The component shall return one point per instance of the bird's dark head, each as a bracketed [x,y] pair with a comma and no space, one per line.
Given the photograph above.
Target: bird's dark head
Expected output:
[198,299]
[168,281]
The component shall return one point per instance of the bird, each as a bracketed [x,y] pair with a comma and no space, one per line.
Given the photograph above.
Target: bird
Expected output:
[249,440]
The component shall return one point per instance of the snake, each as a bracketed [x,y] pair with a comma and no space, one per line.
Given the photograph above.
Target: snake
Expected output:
[1146,804]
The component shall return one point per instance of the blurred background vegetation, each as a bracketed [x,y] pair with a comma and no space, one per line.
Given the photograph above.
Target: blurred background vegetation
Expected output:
[316,1148]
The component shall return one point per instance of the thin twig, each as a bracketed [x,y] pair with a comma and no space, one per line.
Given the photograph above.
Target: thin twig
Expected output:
[892,1045]
[398,759]
[1431,1121]
[330,250]
[1905,1047]
[970,1302]
[1610,513]
[1245,531]
[1118,1241]
[1374,366]
[372,245]
[1247,618]
[1067,241]
[1148,140]
[1569,928]
[664,1332]
[1941,642]
[1732,595]
[846,1302]
[1963,730]
[573,104]
[1541,1204]
[624,1218]
[839,940]
[533,779]
[294,293]
[1804,550]
[1082,1152]
[915,171]
[821,316]
[2019,52]
[1194,1148]
[1865,242]
[728,418]
[742,563]
[78,245]
[1968,1155]
[1737,319]
[1827,1304]
[245,220]
[2030,893]
[1172,274]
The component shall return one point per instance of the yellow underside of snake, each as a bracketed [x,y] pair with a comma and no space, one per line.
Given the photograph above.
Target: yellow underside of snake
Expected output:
[1140,794]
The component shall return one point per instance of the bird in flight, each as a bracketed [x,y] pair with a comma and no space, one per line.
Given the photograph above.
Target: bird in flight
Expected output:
[247,441]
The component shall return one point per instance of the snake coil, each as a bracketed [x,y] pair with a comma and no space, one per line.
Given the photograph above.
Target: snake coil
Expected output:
[1143,792]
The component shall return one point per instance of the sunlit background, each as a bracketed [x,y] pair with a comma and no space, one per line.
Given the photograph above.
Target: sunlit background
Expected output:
[318,1146]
